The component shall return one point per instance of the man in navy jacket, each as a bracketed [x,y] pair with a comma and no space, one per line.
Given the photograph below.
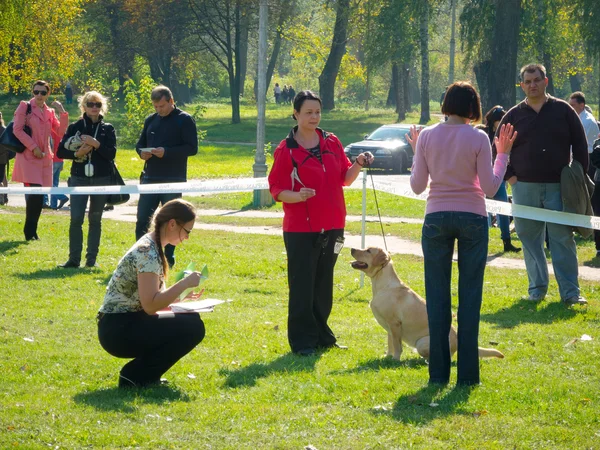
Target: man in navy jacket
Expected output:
[169,137]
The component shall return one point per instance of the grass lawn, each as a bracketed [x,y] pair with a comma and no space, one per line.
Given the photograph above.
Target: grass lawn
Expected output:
[240,388]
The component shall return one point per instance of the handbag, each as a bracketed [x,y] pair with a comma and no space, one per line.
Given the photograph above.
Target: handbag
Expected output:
[9,141]
[116,180]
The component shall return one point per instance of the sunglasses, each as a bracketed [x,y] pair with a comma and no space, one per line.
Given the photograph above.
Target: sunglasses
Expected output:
[43,93]
[94,104]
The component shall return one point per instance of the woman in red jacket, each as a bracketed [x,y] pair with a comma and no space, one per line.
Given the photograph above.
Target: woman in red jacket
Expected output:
[308,175]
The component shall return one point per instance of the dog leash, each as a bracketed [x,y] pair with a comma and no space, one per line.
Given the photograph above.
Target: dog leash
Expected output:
[369,172]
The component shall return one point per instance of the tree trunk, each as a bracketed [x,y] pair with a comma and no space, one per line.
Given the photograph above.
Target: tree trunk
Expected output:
[545,41]
[452,42]
[482,74]
[400,105]
[368,89]
[234,71]
[392,93]
[338,49]
[575,82]
[243,55]
[504,53]
[406,87]
[424,41]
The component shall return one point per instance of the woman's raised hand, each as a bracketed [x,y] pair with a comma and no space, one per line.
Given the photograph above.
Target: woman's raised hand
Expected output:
[412,136]
[505,139]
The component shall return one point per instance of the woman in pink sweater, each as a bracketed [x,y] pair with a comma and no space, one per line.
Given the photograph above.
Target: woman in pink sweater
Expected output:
[458,159]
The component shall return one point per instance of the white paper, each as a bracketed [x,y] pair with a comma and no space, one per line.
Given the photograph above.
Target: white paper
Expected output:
[147,149]
[197,306]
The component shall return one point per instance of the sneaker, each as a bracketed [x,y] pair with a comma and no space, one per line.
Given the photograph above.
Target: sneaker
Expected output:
[575,300]
[536,297]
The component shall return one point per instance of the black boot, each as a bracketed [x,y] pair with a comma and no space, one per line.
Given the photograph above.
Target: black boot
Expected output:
[508,247]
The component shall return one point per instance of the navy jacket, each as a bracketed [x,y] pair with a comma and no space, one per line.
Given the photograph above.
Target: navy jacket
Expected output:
[177,134]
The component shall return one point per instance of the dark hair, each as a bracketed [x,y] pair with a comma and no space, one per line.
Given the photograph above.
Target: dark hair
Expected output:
[462,100]
[41,83]
[491,117]
[301,97]
[159,92]
[532,68]
[182,212]
[578,97]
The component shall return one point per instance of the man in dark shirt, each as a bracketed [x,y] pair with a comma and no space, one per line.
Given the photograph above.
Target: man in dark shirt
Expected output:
[169,137]
[548,129]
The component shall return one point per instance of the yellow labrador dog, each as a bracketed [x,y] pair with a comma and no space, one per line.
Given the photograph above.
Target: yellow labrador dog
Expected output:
[399,309]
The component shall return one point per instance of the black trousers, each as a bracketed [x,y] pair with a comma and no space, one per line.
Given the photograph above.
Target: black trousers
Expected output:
[155,342]
[596,208]
[33,211]
[311,260]
[147,205]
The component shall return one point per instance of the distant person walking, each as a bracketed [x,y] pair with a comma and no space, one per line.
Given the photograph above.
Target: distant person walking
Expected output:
[549,130]
[34,166]
[168,139]
[277,92]
[68,93]
[291,94]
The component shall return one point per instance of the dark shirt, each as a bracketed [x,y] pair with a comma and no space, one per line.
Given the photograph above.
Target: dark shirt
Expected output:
[544,141]
[177,134]
[101,157]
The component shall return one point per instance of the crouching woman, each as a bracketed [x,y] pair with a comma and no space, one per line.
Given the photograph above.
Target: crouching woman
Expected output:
[128,326]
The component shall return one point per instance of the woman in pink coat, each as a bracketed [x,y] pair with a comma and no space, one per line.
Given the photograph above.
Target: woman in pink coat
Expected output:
[33,167]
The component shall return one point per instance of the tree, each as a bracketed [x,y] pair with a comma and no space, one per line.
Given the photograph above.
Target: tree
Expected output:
[589,14]
[504,53]
[424,47]
[39,39]
[217,25]
[338,49]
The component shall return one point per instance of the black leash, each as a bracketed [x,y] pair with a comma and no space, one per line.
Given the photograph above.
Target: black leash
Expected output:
[369,172]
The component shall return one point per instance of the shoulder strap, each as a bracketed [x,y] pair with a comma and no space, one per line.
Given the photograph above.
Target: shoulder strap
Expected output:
[28,109]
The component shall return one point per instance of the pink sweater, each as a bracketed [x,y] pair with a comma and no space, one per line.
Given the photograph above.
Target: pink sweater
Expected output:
[458,158]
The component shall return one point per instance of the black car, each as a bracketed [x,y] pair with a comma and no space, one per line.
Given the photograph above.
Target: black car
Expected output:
[389,146]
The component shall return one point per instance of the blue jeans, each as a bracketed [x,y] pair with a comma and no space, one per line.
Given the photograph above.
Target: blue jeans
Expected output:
[147,205]
[440,231]
[532,234]
[57,168]
[503,221]
[78,205]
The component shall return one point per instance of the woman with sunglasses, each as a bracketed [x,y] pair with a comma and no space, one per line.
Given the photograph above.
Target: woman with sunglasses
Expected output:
[34,166]
[128,326]
[92,145]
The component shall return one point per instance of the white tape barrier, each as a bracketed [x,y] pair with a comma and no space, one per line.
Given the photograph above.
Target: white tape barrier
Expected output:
[509,209]
[251,184]
[211,186]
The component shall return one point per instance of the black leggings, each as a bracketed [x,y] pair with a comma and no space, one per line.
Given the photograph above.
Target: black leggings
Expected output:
[155,342]
[33,210]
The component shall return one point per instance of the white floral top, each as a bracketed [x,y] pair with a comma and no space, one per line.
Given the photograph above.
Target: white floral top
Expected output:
[122,293]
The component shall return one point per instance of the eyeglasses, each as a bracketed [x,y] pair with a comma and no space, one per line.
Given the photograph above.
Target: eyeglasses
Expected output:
[186,230]
[42,93]
[94,104]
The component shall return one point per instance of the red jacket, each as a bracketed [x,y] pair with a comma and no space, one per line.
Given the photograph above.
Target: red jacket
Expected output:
[327,209]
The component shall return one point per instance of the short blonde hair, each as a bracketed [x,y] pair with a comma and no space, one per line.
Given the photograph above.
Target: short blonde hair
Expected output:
[93,96]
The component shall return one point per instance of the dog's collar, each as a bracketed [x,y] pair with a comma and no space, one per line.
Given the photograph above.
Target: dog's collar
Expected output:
[381,268]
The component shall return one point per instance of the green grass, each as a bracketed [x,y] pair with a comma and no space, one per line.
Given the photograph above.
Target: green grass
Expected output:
[58,386]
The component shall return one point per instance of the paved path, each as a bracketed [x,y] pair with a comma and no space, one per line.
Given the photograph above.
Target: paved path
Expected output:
[395,245]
